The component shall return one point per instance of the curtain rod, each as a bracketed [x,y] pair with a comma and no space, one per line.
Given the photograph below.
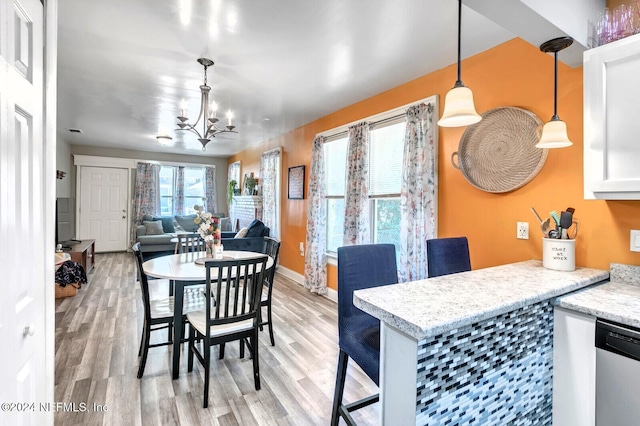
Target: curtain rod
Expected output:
[381,117]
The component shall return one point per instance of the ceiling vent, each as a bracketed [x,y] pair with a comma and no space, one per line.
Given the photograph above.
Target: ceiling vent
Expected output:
[75,130]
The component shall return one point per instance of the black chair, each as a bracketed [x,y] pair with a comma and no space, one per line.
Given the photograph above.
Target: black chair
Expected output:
[233,290]
[271,248]
[447,256]
[189,242]
[359,267]
[158,313]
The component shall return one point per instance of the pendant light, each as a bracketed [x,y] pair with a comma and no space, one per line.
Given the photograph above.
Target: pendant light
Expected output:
[554,132]
[458,104]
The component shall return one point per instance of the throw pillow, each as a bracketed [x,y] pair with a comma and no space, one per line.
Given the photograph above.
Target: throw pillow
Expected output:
[167,224]
[225,224]
[177,226]
[242,233]
[186,222]
[256,229]
[153,227]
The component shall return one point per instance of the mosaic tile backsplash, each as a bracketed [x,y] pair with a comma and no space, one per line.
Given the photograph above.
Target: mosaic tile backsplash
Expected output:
[494,372]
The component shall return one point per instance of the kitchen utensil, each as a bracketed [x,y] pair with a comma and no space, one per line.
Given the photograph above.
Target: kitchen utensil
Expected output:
[571,210]
[544,226]
[556,218]
[537,215]
[553,233]
[566,219]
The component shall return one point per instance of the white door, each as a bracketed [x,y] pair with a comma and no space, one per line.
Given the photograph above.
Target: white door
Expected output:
[26,217]
[103,207]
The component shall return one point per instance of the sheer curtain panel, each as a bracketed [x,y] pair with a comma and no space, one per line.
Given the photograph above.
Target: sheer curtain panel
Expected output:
[178,190]
[270,183]
[210,189]
[418,197]
[315,262]
[145,198]
[356,194]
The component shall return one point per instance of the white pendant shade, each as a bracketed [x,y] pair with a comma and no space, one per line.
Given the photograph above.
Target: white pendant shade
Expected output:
[554,135]
[459,109]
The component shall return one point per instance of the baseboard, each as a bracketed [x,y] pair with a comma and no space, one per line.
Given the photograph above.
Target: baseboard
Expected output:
[299,278]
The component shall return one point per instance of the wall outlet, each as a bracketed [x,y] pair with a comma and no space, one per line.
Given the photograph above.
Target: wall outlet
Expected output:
[635,240]
[522,232]
[301,249]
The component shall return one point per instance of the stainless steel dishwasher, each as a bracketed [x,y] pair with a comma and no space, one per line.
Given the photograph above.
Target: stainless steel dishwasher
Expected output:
[617,374]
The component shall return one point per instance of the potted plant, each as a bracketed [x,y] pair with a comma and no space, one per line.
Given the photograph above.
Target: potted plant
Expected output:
[250,184]
[231,189]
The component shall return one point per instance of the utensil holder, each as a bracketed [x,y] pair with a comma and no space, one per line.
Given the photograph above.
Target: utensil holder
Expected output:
[559,255]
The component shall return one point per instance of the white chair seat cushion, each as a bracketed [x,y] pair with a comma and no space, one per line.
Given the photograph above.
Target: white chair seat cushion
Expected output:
[163,308]
[198,320]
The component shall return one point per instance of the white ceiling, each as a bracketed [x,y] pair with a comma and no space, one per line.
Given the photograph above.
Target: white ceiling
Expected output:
[125,65]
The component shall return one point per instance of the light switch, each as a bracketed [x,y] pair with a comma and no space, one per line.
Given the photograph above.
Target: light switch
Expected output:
[635,240]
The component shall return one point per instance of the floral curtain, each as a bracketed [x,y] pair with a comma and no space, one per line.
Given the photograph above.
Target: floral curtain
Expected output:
[356,193]
[145,197]
[418,200]
[178,197]
[315,262]
[270,178]
[233,173]
[210,189]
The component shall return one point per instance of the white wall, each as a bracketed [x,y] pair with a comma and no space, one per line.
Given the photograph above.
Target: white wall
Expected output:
[220,163]
[63,162]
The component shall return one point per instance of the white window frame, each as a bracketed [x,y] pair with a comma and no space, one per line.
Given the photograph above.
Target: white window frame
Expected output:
[334,133]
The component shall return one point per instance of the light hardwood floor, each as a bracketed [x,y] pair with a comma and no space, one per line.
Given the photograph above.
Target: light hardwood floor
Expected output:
[97,337]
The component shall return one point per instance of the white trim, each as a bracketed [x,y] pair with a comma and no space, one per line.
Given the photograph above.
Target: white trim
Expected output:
[332,259]
[299,279]
[50,39]
[129,163]
[379,117]
[94,161]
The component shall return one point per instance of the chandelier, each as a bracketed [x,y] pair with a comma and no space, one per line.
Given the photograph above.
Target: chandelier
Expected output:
[208,114]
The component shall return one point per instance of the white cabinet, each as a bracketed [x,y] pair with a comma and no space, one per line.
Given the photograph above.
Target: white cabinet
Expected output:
[612,121]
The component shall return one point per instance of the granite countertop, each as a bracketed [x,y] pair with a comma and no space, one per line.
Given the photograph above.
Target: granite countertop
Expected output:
[618,300]
[428,307]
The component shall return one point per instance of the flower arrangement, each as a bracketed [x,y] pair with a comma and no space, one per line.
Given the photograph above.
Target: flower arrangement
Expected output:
[208,225]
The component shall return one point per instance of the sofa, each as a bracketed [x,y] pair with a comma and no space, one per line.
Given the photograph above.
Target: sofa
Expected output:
[250,238]
[155,232]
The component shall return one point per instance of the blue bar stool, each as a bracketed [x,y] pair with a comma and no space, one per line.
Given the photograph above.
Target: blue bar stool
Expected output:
[360,267]
[447,256]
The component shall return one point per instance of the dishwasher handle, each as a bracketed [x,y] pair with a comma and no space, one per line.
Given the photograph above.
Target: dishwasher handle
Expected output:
[619,339]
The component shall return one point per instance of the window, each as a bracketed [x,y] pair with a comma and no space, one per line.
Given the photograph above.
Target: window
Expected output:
[193,189]
[385,174]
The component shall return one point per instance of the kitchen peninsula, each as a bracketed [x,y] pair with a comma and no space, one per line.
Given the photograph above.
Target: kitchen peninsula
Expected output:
[470,347]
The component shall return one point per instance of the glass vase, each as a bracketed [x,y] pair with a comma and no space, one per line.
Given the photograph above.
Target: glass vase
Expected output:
[210,248]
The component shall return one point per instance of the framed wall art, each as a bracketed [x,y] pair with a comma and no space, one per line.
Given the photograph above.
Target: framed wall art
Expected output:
[296,183]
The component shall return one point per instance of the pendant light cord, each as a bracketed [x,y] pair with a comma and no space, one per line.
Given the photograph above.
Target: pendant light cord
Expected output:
[459,81]
[555,87]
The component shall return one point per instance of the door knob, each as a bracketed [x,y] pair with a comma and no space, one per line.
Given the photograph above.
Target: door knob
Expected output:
[28,330]
[124,217]
[124,211]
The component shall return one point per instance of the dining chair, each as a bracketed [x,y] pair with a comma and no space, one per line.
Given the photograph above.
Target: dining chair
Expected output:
[233,291]
[271,248]
[447,256]
[158,313]
[359,267]
[189,243]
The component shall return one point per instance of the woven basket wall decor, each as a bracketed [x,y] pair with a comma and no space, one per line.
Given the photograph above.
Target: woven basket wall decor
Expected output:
[498,154]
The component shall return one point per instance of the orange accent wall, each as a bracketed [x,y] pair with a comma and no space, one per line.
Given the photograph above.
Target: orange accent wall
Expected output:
[512,74]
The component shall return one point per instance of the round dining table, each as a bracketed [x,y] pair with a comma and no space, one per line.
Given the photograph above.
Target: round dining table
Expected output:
[186,269]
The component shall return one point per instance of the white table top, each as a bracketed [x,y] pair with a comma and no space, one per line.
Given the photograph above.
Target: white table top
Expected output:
[182,267]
